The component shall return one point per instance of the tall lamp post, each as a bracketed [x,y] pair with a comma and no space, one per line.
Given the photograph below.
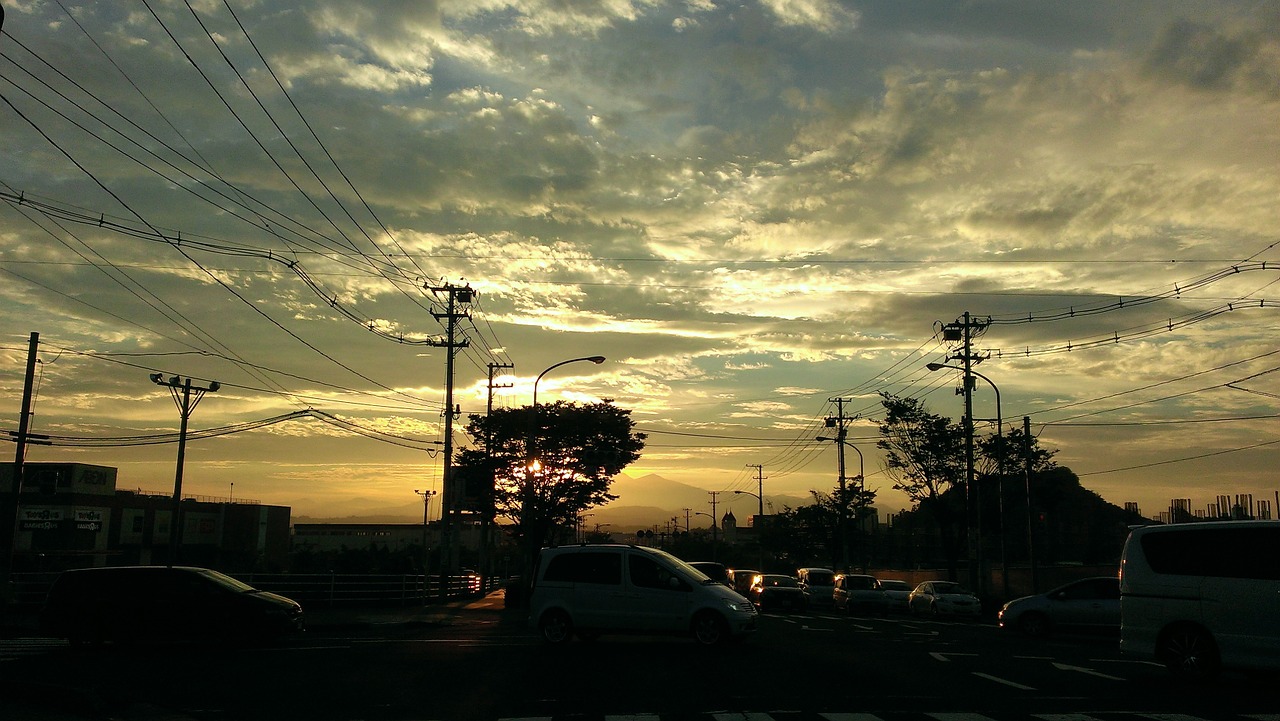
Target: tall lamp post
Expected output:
[862,479]
[426,507]
[534,466]
[759,528]
[713,531]
[1004,565]
[186,396]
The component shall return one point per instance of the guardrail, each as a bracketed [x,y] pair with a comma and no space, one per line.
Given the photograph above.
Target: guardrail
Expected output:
[327,589]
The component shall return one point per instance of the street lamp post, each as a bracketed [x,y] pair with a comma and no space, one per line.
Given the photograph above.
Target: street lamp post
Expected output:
[862,480]
[426,507]
[1004,564]
[532,464]
[713,531]
[186,401]
[759,527]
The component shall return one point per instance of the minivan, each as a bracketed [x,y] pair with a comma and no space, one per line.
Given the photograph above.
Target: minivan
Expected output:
[1200,597]
[162,603]
[588,590]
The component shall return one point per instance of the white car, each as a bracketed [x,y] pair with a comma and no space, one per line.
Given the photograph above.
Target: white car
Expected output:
[594,589]
[944,598]
[896,593]
[1201,597]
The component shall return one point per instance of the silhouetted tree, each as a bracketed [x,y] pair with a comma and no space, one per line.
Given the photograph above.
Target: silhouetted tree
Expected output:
[924,457]
[548,464]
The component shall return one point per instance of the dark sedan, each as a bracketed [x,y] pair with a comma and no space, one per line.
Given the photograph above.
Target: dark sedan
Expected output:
[775,592]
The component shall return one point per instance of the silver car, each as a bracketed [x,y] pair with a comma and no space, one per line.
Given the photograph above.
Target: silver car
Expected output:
[944,598]
[1090,603]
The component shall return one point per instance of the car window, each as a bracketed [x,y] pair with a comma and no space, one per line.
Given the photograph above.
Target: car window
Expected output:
[779,581]
[819,578]
[1241,552]
[603,568]
[648,573]
[859,583]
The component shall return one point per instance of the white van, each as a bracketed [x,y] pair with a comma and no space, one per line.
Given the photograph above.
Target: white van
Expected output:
[1199,597]
[592,589]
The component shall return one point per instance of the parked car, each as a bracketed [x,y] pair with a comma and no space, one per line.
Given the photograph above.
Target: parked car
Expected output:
[607,588]
[896,593]
[944,598]
[471,583]
[776,592]
[1201,597]
[163,603]
[817,584]
[715,571]
[856,592]
[1090,603]
[740,579]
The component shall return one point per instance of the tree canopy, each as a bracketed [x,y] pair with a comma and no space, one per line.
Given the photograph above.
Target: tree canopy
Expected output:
[549,463]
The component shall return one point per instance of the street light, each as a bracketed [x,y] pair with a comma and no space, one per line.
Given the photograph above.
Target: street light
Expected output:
[534,467]
[1000,470]
[426,506]
[186,401]
[759,528]
[713,531]
[597,359]
[862,481]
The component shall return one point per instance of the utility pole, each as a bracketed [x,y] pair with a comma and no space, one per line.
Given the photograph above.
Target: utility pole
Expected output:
[486,515]
[450,494]
[842,521]
[1031,545]
[759,486]
[965,329]
[759,524]
[186,404]
[12,496]
[715,524]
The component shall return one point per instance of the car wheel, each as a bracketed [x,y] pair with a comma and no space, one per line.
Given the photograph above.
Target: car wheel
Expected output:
[1033,624]
[555,626]
[1189,653]
[710,628]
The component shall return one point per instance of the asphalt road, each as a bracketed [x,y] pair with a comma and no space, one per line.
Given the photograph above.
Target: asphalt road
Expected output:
[482,664]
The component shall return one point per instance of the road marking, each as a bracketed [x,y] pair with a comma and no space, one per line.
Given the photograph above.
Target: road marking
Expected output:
[1099,674]
[959,717]
[1006,682]
[943,656]
[850,717]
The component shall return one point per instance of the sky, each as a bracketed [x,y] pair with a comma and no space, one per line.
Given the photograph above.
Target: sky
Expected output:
[763,214]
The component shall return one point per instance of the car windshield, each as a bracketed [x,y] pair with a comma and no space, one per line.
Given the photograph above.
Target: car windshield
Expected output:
[949,587]
[895,585]
[228,582]
[860,583]
[778,581]
[820,578]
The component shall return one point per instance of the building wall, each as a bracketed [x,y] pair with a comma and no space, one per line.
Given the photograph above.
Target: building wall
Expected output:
[71,515]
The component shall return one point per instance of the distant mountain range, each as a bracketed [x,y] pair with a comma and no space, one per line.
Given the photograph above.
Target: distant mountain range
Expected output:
[642,503]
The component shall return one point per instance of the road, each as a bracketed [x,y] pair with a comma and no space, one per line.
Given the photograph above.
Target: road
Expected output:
[486,665]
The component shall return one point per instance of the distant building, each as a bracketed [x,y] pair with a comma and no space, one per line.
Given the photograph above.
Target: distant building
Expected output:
[72,515]
[323,537]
